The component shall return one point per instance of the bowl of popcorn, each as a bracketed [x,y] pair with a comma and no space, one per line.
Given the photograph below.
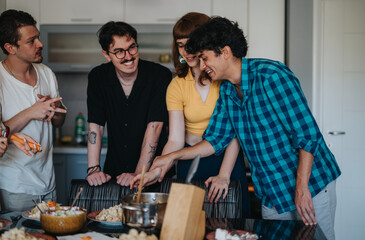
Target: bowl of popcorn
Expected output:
[63,220]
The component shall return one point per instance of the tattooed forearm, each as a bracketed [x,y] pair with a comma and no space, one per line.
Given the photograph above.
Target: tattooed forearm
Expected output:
[153,149]
[92,137]
[152,152]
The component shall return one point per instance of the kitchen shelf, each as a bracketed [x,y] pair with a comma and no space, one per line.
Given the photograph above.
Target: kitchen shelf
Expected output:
[75,48]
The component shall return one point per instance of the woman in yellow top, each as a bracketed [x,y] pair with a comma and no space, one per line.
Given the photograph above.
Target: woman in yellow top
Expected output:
[191,99]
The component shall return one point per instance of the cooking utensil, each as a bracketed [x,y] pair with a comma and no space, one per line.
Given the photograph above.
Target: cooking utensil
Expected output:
[77,196]
[148,213]
[140,184]
[192,169]
[36,204]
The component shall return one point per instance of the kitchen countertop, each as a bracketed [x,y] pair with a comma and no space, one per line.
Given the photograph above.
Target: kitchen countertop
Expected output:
[73,149]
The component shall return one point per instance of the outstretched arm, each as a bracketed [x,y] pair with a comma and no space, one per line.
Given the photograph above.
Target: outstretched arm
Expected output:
[163,163]
[204,148]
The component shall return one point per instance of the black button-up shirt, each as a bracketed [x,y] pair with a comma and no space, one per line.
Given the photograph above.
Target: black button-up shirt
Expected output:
[127,118]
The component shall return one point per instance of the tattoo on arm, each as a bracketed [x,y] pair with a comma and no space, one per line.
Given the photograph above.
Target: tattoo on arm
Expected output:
[92,137]
[152,152]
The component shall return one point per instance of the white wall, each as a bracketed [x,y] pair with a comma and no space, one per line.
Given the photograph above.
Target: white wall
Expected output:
[299,43]
[266,32]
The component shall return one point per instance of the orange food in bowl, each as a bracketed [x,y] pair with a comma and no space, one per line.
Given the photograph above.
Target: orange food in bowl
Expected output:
[62,220]
[51,204]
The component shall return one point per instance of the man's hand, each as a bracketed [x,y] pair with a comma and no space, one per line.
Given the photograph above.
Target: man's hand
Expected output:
[149,178]
[218,185]
[98,178]
[45,108]
[48,97]
[164,162]
[125,178]
[3,145]
[25,147]
[304,204]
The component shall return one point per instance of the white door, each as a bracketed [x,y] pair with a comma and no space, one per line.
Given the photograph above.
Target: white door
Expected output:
[342,99]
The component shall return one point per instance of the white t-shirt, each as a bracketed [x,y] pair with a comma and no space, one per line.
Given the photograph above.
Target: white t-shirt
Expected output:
[20,173]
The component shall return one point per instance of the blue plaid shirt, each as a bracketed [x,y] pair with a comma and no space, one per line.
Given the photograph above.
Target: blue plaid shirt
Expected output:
[272,122]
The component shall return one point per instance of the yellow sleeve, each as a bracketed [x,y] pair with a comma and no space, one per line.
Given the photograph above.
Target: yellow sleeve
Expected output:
[174,95]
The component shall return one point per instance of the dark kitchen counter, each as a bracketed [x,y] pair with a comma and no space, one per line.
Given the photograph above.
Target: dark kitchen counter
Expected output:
[74,149]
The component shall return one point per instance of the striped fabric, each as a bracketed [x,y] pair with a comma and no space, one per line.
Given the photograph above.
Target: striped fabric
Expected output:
[272,122]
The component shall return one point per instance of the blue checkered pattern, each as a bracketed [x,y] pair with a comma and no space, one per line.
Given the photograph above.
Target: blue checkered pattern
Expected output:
[272,122]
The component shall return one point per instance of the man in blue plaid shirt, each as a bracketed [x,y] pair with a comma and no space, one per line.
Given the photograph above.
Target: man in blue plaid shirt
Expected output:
[262,104]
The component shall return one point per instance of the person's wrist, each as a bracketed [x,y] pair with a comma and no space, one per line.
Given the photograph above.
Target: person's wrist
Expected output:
[174,156]
[93,169]
[224,175]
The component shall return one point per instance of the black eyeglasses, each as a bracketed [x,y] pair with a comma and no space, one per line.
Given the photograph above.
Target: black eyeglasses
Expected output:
[120,53]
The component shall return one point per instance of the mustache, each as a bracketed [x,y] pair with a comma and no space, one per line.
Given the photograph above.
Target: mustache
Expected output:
[128,60]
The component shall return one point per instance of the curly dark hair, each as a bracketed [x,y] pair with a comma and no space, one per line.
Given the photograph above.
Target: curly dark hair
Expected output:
[183,27]
[10,22]
[110,29]
[215,35]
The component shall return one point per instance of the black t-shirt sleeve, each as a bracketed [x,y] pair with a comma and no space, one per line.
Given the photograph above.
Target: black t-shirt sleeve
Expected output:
[158,110]
[95,103]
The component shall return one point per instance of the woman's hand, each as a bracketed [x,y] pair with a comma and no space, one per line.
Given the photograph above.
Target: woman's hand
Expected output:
[149,178]
[218,184]
[3,145]
[25,147]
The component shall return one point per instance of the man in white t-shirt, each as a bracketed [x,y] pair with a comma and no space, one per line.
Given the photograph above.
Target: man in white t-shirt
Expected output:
[29,103]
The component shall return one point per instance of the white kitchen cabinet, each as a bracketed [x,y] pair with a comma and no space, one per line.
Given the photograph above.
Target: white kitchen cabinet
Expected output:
[80,11]
[235,10]
[266,29]
[162,11]
[29,6]
[262,22]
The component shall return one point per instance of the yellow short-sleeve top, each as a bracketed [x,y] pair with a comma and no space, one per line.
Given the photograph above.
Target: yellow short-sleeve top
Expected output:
[182,95]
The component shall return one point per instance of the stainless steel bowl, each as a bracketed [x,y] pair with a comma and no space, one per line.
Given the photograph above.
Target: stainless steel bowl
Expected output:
[148,213]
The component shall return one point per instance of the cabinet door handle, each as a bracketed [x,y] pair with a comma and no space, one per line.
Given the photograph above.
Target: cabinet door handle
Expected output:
[336,133]
[81,19]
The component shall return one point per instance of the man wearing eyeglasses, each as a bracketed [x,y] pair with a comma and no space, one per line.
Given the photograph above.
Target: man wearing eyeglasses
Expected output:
[127,94]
